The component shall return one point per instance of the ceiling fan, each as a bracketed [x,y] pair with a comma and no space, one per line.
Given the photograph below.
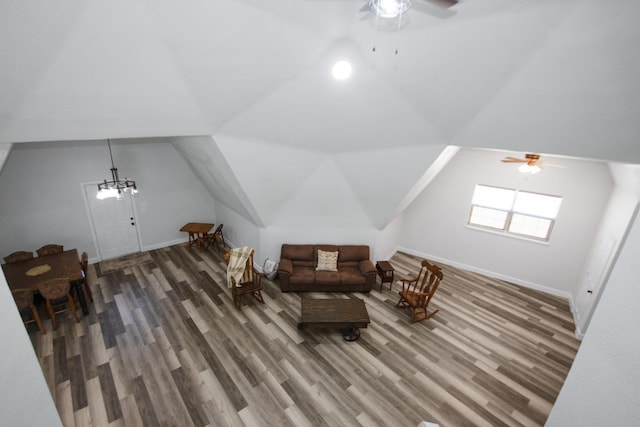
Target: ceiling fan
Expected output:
[530,164]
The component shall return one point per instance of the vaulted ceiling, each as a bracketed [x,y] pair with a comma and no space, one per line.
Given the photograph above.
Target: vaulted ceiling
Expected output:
[556,77]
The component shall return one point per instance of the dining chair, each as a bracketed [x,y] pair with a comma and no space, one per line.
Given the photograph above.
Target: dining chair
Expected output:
[18,256]
[50,249]
[417,292]
[84,263]
[58,292]
[24,301]
[218,237]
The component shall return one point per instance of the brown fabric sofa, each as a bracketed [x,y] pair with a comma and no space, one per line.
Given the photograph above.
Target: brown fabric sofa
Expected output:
[297,269]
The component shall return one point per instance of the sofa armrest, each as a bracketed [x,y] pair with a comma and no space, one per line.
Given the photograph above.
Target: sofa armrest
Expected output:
[367,267]
[285,269]
[285,266]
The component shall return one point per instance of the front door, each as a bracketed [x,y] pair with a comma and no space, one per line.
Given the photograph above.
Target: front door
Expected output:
[114,223]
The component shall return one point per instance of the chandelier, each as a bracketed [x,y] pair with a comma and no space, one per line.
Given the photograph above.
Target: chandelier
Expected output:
[389,8]
[115,187]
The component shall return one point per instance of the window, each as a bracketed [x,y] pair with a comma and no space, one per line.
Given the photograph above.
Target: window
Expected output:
[514,211]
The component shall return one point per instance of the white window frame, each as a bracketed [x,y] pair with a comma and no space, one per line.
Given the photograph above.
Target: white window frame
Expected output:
[499,216]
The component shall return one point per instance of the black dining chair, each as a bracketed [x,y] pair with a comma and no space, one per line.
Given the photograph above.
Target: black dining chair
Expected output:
[24,299]
[84,263]
[57,293]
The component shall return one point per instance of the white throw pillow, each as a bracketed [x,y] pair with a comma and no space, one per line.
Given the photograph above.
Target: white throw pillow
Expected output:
[327,261]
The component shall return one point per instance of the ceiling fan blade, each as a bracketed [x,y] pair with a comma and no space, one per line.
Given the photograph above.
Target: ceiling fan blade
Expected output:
[436,8]
[444,3]
[551,165]
[513,160]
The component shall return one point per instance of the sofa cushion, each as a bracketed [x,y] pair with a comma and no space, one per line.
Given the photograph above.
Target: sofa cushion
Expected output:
[351,275]
[300,255]
[297,252]
[327,278]
[303,275]
[350,253]
[327,261]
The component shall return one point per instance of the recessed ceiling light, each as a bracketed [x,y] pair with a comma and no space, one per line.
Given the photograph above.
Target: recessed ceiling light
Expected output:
[341,70]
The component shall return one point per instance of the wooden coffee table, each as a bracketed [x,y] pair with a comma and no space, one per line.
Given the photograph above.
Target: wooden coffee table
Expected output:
[348,314]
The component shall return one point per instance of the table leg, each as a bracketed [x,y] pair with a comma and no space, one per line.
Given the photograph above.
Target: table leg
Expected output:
[199,239]
[77,287]
[202,240]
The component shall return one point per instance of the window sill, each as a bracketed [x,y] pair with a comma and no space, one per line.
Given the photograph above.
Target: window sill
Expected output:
[508,235]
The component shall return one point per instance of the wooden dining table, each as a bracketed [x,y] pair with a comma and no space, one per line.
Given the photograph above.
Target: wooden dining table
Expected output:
[31,273]
[198,233]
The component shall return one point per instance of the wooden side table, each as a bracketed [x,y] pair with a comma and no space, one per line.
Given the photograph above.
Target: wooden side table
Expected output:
[198,233]
[385,272]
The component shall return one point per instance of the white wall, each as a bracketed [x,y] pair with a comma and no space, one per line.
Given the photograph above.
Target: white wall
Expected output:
[278,194]
[602,386]
[206,160]
[25,399]
[290,187]
[435,224]
[387,241]
[42,196]
[4,153]
[613,228]
[237,230]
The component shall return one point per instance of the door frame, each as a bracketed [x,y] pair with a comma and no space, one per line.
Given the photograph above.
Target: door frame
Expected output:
[92,227]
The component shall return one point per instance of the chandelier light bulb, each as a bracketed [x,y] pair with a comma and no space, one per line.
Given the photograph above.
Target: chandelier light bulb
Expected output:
[114,187]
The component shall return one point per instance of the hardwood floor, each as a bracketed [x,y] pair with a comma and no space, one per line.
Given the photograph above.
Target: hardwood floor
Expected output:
[165,346]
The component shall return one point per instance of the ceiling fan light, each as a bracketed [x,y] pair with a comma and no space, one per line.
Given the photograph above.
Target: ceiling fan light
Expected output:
[390,8]
[527,168]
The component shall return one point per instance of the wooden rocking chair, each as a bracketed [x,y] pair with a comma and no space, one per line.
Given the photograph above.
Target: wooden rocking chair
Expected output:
[249,283]
[417,292]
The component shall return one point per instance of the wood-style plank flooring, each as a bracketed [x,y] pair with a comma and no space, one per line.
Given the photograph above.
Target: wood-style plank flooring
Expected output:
[165,346]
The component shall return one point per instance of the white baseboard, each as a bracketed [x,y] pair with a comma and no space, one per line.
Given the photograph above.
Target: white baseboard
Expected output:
[176,242]
[165,244]
[492,274]
[150,247]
